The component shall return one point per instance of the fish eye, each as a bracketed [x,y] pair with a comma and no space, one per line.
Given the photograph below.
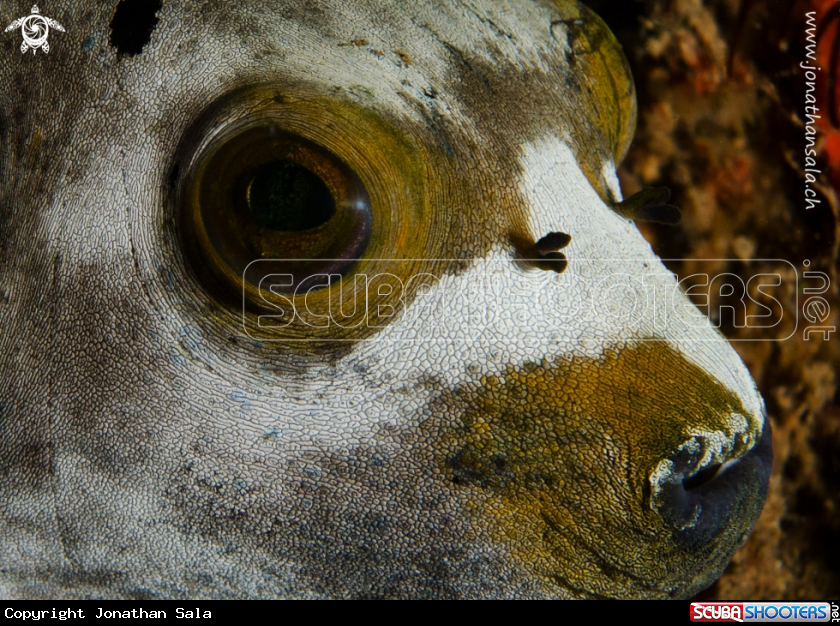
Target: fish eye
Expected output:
[265,193]
[284,200]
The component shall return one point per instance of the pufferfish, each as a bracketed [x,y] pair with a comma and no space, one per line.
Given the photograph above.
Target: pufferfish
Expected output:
[333,299]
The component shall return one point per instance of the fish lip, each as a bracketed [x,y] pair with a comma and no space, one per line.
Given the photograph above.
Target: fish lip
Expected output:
[700,512]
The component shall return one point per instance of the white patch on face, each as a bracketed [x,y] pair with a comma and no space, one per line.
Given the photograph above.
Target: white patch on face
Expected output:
[632,295]
[498,314]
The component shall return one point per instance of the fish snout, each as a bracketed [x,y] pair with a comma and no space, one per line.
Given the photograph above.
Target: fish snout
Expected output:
[703,492]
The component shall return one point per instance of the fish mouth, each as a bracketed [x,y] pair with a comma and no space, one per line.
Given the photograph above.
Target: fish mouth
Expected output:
[702,496]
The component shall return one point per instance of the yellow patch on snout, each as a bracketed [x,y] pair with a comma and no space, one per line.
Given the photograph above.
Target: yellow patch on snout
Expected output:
[556,459]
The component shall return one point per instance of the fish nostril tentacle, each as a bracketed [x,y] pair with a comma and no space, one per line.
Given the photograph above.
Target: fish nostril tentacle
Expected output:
[547,252]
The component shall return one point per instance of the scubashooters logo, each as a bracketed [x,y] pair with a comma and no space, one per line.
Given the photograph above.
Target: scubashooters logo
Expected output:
[35,29]
[760,612]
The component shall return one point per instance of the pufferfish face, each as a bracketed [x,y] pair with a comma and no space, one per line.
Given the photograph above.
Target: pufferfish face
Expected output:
[284,313]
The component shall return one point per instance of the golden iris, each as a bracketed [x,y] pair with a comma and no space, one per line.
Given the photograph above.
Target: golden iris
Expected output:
[265,193]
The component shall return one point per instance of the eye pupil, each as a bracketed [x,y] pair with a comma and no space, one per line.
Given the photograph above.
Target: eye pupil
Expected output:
[286,196]
[257,193]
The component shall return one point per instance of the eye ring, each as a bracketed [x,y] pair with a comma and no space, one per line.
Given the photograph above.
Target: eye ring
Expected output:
[265,193]
[374,170]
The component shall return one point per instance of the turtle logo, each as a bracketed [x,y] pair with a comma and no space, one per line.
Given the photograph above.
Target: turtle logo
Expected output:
[35,28]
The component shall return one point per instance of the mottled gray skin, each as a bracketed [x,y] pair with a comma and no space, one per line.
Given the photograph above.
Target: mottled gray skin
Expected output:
[148,447]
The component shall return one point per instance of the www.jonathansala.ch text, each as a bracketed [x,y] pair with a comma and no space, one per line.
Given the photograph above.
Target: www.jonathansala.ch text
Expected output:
[811,110]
